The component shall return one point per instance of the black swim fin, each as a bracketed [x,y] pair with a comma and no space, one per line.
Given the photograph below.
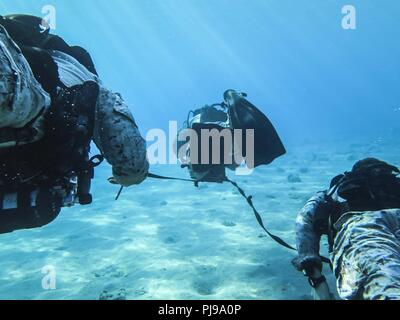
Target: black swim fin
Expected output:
[245,116]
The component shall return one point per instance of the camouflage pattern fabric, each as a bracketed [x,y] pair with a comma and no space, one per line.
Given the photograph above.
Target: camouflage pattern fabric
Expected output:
[366,255]
[116,133]
[366,252]
[22,98]
[118,137]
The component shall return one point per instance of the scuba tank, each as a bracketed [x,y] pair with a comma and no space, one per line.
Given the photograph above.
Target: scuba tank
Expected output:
[209,118]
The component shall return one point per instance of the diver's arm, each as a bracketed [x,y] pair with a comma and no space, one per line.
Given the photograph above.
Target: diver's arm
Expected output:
[308,244]
[117,136]
[307,237]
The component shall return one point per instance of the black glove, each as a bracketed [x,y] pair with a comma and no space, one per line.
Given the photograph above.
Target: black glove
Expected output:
[307,263]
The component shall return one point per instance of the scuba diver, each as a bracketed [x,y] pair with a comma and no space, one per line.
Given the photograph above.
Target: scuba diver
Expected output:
[234,115]
[213,130]
[361,216]
[52,105]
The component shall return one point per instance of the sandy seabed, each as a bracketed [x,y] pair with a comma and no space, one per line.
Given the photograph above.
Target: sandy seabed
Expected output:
[170,240]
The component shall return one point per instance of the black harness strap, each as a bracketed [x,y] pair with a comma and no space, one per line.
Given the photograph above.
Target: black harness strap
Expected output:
[119,193]
[155,176]
[249,200]
[261,222]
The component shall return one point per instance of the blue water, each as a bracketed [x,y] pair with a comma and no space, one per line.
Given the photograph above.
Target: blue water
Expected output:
[316,81]
[292,57]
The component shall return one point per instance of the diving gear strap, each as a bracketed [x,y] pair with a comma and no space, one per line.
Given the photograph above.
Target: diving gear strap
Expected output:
[155,176]
[259,219]
[249,200]
[119,193]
